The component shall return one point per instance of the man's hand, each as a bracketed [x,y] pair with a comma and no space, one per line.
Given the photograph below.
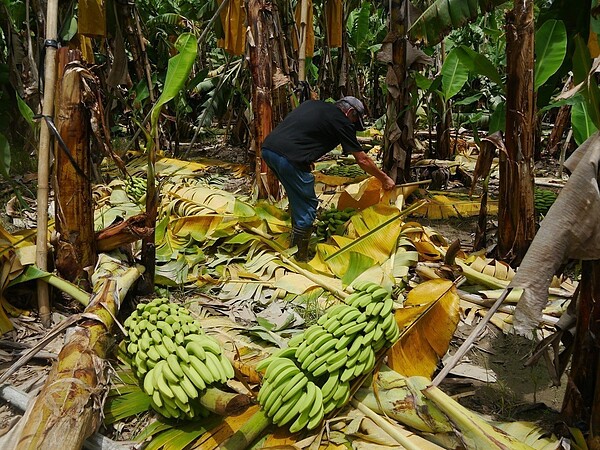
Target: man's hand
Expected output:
[388,183]
[371,168]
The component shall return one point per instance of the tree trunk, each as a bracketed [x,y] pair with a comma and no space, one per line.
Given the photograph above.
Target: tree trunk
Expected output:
[73,189]
[399,133]
[443,147]
[516,217]
[68,408]
[580,404]
[260,18]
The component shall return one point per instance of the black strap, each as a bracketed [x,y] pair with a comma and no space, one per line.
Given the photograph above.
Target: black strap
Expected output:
[61,143]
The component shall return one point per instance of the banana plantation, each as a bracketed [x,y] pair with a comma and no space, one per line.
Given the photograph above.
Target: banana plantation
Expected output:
[157,290]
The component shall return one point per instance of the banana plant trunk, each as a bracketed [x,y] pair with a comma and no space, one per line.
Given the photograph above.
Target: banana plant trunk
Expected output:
[581,403]
[68,408]
[261,28]
[399,132]
[73,189]
[516,219]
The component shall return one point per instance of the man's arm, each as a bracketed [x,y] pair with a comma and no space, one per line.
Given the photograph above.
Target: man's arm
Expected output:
[367,164]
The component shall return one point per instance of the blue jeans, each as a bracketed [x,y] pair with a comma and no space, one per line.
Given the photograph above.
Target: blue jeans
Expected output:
[299,187]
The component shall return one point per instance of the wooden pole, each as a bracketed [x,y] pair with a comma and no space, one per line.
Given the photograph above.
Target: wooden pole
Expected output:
[302,44]
[41,259]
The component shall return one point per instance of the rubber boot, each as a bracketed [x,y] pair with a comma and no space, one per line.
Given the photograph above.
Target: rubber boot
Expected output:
[301,239]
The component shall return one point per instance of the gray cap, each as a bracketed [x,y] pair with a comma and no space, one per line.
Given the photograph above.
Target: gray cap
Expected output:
[358,107]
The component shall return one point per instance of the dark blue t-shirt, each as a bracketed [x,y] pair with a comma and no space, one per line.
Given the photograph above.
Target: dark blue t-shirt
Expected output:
[311,130]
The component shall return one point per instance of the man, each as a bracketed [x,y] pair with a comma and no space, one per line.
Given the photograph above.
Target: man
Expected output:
[310,131]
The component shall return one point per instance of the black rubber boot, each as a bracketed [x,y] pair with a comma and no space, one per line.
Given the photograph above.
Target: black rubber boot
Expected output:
[301,239]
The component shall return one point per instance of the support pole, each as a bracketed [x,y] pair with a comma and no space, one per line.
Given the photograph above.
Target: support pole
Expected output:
[41,259]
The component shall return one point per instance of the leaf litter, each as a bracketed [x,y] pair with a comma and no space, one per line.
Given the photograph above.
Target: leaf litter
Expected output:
[232,259]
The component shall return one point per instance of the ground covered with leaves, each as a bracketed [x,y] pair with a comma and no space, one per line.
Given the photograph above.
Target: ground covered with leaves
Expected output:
[226,257]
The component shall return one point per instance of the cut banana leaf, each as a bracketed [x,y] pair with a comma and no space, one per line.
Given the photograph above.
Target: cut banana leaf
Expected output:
[126,405]
[475,432]
[530,434]
[377,238]
[493,268]
[395,396]
[428,321]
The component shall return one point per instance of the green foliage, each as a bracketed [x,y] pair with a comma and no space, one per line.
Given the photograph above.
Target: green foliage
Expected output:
[179,69]
[445,15]
[550,49]
[583,126]
[454,75]
[478,64]
[4,156]
[582,67]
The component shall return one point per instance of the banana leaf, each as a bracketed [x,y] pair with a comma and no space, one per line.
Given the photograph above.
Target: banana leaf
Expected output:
[188,200]
[396,396]
[125,405]
[179,68]
[204,227]
[550,50]
[454,75]
[377,238]
[446,15]
[475,432]
[428,321]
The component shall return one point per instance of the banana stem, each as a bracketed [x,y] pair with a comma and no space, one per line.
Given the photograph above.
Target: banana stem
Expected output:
[248,433]
[223,403]
[385,426]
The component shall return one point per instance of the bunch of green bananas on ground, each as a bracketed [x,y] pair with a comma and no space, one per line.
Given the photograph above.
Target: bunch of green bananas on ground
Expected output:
[331,221]
[543,200]
[348,171]
[135,187]
[312,377]
[173,358]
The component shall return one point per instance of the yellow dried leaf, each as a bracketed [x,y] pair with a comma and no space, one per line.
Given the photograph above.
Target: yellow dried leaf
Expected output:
[428,322]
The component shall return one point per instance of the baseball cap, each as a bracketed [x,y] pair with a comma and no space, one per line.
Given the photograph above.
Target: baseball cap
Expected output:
[359,108]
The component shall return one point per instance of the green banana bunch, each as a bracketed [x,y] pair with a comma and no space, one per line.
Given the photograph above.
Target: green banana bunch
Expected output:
[543,200]
[348,171]
[288,396]
[173,358]
[135,187]
[340,347]
[332,221]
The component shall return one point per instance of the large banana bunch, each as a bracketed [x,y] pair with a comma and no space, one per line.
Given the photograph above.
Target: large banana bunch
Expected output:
[173,358]
[332,221]
[135,187]
[312,376]
[348,171]
[543,200]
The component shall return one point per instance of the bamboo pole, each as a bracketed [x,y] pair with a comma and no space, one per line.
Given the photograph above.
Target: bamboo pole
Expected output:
[302,46]
[41,259]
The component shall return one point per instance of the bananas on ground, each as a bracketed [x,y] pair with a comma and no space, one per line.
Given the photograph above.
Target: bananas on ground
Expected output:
[135,187]
[288,396]
[313,376]
[173,358]
[348,171]
[543,199]
[332,221]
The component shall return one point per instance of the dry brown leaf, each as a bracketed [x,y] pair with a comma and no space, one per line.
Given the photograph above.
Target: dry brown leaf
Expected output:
[428,321]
